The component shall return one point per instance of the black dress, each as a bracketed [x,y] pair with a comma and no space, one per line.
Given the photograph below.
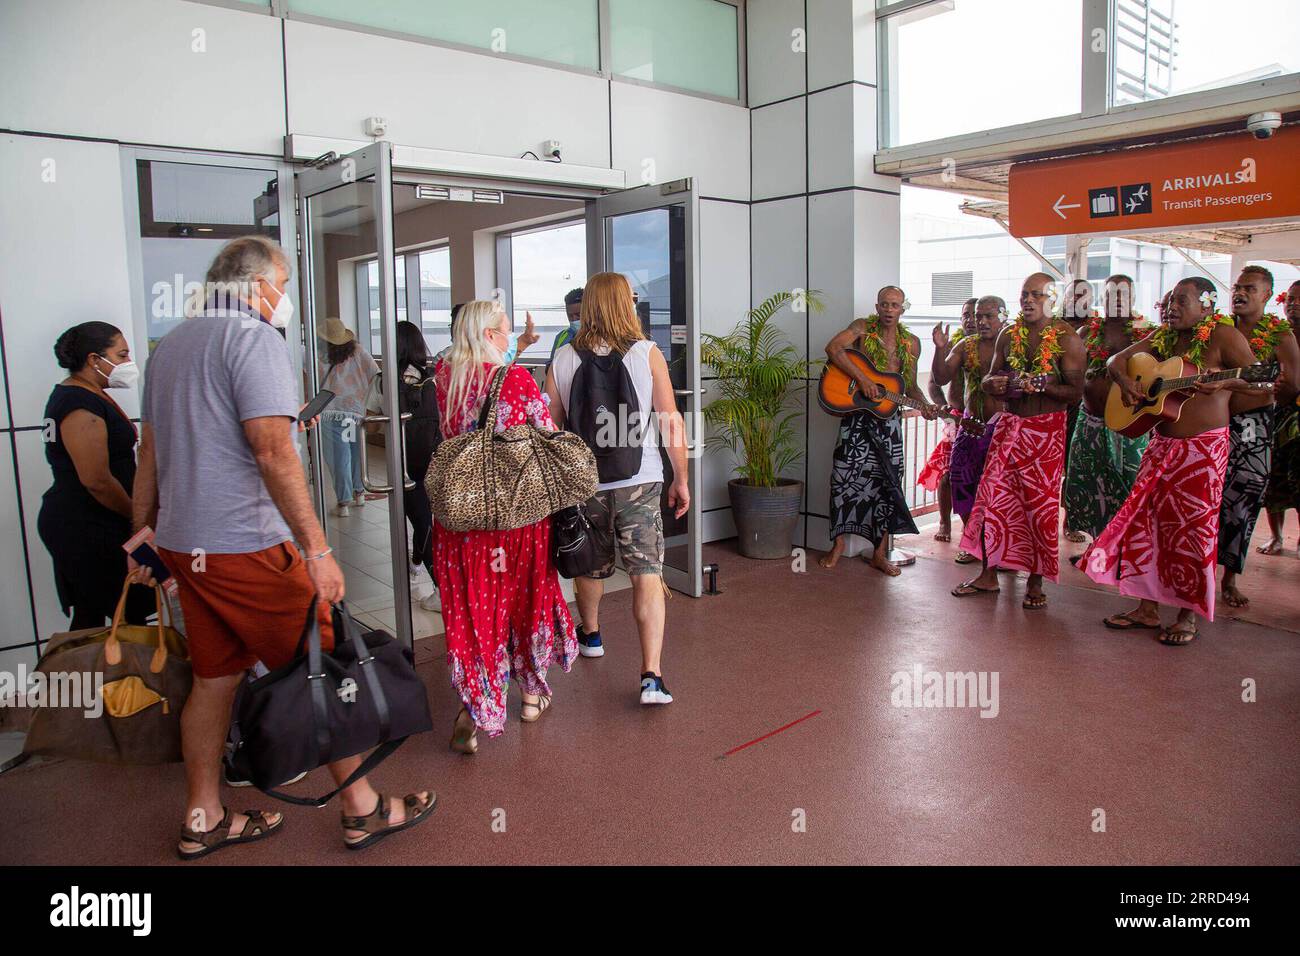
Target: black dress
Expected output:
[423,435]
[83,537]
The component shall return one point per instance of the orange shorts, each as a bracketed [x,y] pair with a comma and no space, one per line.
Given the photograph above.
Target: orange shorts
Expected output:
[244,608]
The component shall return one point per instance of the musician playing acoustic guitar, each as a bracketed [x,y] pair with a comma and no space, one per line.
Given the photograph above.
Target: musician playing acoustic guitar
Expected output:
[867,467]
[1167,529]
[1101,465]
[965,365]
[1038,369]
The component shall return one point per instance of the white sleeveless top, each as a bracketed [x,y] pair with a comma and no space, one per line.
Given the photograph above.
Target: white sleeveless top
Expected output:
[637,363]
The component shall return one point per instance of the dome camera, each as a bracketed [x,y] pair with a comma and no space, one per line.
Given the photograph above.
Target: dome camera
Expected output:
[1263,125]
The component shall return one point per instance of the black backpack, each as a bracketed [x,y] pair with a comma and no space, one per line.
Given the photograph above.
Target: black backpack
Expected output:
[605,412]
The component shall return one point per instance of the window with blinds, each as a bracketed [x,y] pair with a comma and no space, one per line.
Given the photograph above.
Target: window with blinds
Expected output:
[951,288]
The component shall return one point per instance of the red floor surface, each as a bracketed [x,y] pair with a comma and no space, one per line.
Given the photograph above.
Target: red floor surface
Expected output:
[1089,720]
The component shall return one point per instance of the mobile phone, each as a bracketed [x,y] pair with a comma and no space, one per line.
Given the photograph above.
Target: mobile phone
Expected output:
[140,547]
[316,405]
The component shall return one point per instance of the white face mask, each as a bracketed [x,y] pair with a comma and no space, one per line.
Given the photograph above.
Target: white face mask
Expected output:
[282,312]
[124,375]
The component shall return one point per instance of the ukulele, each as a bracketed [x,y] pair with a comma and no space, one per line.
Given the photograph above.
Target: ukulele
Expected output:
[1168,385]
[839,394]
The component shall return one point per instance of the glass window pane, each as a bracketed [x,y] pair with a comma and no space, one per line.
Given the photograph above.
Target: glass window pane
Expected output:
[561,31]
[188,211]
[435,297]
[399,273]
[685,43]
[1163,48]
[1019,62]
[544,266]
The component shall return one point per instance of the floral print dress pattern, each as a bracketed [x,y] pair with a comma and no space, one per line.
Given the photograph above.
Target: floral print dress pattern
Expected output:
[502,606]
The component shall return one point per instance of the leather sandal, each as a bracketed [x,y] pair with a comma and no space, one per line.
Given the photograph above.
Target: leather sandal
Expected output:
[464,734]
[543,702]
[375,824]
[256,827]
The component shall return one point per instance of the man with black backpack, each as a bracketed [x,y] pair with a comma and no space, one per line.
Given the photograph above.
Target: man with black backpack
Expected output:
[611,386]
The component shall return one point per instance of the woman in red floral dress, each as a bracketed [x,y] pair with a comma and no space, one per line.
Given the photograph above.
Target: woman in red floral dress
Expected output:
[504,612]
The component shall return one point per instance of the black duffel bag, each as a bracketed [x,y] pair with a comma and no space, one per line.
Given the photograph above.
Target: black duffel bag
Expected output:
[319,708]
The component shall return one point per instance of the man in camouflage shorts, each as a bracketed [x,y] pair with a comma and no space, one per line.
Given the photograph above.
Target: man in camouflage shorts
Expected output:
[636,529]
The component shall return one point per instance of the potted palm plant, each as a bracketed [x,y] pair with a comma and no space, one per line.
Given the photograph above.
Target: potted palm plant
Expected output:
[759,374]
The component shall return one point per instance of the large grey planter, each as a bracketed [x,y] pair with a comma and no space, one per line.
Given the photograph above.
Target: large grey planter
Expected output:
[765,517]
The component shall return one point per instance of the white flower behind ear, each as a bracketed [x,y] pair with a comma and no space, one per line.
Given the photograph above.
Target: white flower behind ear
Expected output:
[907,304]
[1207,299]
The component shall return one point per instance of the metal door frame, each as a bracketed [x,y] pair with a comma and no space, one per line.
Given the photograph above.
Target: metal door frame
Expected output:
[374,162]
[680,192]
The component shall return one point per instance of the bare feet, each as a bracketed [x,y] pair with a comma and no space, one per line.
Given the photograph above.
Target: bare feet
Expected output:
[880,561]
[829,561]
[944,533]
[1271,546]
[1234,598]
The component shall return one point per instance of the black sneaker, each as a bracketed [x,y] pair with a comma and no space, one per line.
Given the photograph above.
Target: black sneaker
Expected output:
[653,690]
[589,644]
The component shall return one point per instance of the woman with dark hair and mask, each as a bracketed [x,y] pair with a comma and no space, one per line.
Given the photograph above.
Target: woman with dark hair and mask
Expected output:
[423,435]
[85,516]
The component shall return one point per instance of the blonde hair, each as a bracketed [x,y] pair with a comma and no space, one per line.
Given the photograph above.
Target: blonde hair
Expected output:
[608,314]
[469,352]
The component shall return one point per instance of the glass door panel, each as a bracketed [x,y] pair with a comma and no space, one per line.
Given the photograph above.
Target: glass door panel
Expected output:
[647,235]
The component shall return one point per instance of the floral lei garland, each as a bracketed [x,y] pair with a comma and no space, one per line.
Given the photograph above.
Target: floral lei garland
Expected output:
[1095,338]
[1049,347]
[875,349]
[1263,342]
[973,372]
[1166,338]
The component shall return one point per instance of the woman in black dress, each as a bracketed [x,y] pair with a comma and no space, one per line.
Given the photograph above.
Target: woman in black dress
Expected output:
[423,435]
[85,517]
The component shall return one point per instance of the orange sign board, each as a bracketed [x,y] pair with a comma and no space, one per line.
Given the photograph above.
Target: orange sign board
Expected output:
[1152,188]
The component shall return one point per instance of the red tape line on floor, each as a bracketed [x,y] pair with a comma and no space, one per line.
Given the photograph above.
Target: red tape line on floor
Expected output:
[773,733]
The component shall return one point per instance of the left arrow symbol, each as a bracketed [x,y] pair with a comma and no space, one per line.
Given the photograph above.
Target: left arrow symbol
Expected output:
[1062,204]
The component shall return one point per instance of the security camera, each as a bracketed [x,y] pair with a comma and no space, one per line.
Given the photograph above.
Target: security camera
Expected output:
[1263,125]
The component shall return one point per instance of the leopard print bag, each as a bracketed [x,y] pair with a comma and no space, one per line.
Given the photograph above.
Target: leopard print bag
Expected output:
[485,481]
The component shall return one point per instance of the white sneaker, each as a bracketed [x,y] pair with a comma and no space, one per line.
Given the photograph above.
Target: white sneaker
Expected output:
[653,690]
[342,510]
[359,501]
[432,601]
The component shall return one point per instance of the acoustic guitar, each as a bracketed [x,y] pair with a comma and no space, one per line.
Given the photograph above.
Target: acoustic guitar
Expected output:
[1167,385]
[839,394]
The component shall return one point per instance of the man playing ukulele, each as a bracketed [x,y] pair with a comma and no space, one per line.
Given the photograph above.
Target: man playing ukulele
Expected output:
[934,476]
[867,468]
[1251,425]
[1167,529]
[965,365]
[1102,464]
[1037,368]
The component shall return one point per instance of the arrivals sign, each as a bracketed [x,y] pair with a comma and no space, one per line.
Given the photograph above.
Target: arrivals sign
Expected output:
[1153,188]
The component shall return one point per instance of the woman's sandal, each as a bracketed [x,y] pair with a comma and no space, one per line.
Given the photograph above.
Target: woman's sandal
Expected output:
[1131,623]
[375,824]
[464,739]
[1034,602]
[1177,635]
[543,702]
[965,557]
[1075,537]
[256,827]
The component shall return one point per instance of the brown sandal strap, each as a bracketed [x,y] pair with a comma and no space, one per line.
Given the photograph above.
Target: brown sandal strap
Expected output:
[372,822]
[209,838]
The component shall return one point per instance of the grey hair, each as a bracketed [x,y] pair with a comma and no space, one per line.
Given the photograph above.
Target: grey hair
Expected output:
[232,276]
[1002,305]
[248,258]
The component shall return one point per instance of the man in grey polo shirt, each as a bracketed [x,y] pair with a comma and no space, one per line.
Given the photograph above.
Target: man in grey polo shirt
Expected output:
[220,480]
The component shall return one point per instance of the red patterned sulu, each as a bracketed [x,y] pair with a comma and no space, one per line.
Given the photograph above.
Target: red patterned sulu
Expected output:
[1016,517]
